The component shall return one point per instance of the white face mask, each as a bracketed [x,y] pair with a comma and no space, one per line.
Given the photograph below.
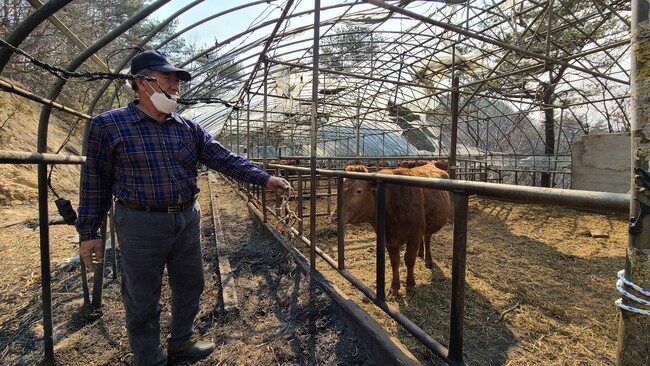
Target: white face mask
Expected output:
[163,102]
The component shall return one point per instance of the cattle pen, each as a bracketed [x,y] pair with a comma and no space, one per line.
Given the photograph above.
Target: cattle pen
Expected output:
[536,112]
[609,203]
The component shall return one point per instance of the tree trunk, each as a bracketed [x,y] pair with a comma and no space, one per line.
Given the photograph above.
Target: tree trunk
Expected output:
[549,146]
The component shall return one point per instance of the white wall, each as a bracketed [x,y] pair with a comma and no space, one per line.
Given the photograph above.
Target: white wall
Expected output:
[602,163]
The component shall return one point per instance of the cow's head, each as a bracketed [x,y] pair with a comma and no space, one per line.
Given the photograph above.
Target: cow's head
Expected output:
[358,199]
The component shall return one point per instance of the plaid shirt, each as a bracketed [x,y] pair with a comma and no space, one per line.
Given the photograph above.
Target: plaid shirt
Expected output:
[139,160]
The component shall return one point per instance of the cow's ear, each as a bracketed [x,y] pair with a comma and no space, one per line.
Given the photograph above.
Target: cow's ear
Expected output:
[373,187]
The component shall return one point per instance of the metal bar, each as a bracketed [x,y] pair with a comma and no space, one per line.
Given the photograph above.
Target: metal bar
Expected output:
[265,137]
[454,126]
[340,225]
[313,139]
[270,39]
[23,157]
[618,203]
[46,275]
[633,346]
[381,240]
[24,93]
[458,279]
[301,224]
[238,134]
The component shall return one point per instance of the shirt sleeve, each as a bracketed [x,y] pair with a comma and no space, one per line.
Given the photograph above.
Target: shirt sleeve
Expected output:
[216,156]
[96,184]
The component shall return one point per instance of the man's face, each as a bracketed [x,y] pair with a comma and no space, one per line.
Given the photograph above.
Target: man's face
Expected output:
[166,82]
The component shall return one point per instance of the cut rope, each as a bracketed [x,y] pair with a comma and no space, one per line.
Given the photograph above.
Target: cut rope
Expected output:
[619,286]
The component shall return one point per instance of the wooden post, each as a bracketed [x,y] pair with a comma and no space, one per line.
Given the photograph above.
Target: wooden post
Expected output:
[634,324]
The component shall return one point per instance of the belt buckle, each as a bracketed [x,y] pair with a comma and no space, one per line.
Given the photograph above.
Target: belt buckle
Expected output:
[174,209]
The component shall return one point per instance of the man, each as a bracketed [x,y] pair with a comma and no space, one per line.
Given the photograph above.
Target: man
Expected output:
[144,156]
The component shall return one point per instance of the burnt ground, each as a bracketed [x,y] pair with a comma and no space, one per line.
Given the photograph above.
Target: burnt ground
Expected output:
[279,320]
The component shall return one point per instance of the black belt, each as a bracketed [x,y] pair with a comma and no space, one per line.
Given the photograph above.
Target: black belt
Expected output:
[167,209]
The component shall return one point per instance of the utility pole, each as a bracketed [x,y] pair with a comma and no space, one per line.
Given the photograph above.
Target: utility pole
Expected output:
[634,282]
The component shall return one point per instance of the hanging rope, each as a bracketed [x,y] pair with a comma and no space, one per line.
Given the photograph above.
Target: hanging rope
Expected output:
[65,74]
[288,217]
[92,76]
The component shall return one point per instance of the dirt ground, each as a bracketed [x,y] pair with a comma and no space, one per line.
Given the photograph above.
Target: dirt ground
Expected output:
[279,319]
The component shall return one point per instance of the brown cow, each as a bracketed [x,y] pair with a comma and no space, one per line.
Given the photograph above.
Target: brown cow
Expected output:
[412,163]
[440,163]
[404,217]
[437,207]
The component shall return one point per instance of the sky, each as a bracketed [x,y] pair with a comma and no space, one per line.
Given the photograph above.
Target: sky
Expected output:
[224,26]
[214,29]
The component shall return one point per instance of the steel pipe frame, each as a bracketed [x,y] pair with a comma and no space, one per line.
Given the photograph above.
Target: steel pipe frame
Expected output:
[26,27]
[441,90]
[493,42]
[262,56]
[606,202]
[632,341]
[22,157]
[600,48]
[31,96]
[39,143]
[264,40]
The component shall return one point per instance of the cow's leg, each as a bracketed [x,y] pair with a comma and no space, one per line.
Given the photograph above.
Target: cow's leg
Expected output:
[409,258]
[427,251]
[421,250]
[393,254]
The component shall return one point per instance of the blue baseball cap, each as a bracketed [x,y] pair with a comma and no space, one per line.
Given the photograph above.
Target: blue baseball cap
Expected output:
[156,60]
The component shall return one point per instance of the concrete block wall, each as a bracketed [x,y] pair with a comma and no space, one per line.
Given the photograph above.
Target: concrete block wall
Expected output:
[602,163]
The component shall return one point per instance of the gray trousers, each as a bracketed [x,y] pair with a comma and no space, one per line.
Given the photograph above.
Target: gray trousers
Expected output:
[149,241]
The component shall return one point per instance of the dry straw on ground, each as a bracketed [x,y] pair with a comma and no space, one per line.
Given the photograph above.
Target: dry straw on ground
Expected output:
[540,286]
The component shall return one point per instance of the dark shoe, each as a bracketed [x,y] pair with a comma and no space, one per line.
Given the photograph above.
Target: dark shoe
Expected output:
[193,349]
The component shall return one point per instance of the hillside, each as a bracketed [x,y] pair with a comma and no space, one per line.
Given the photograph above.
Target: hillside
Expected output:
[19,123]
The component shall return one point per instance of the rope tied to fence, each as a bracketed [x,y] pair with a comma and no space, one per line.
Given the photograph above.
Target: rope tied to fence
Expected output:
[288,217]
[623,280]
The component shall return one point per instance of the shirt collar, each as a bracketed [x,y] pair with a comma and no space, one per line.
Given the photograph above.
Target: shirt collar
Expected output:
[139,115]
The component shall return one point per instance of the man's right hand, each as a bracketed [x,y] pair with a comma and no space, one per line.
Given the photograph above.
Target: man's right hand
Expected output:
[91,253]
